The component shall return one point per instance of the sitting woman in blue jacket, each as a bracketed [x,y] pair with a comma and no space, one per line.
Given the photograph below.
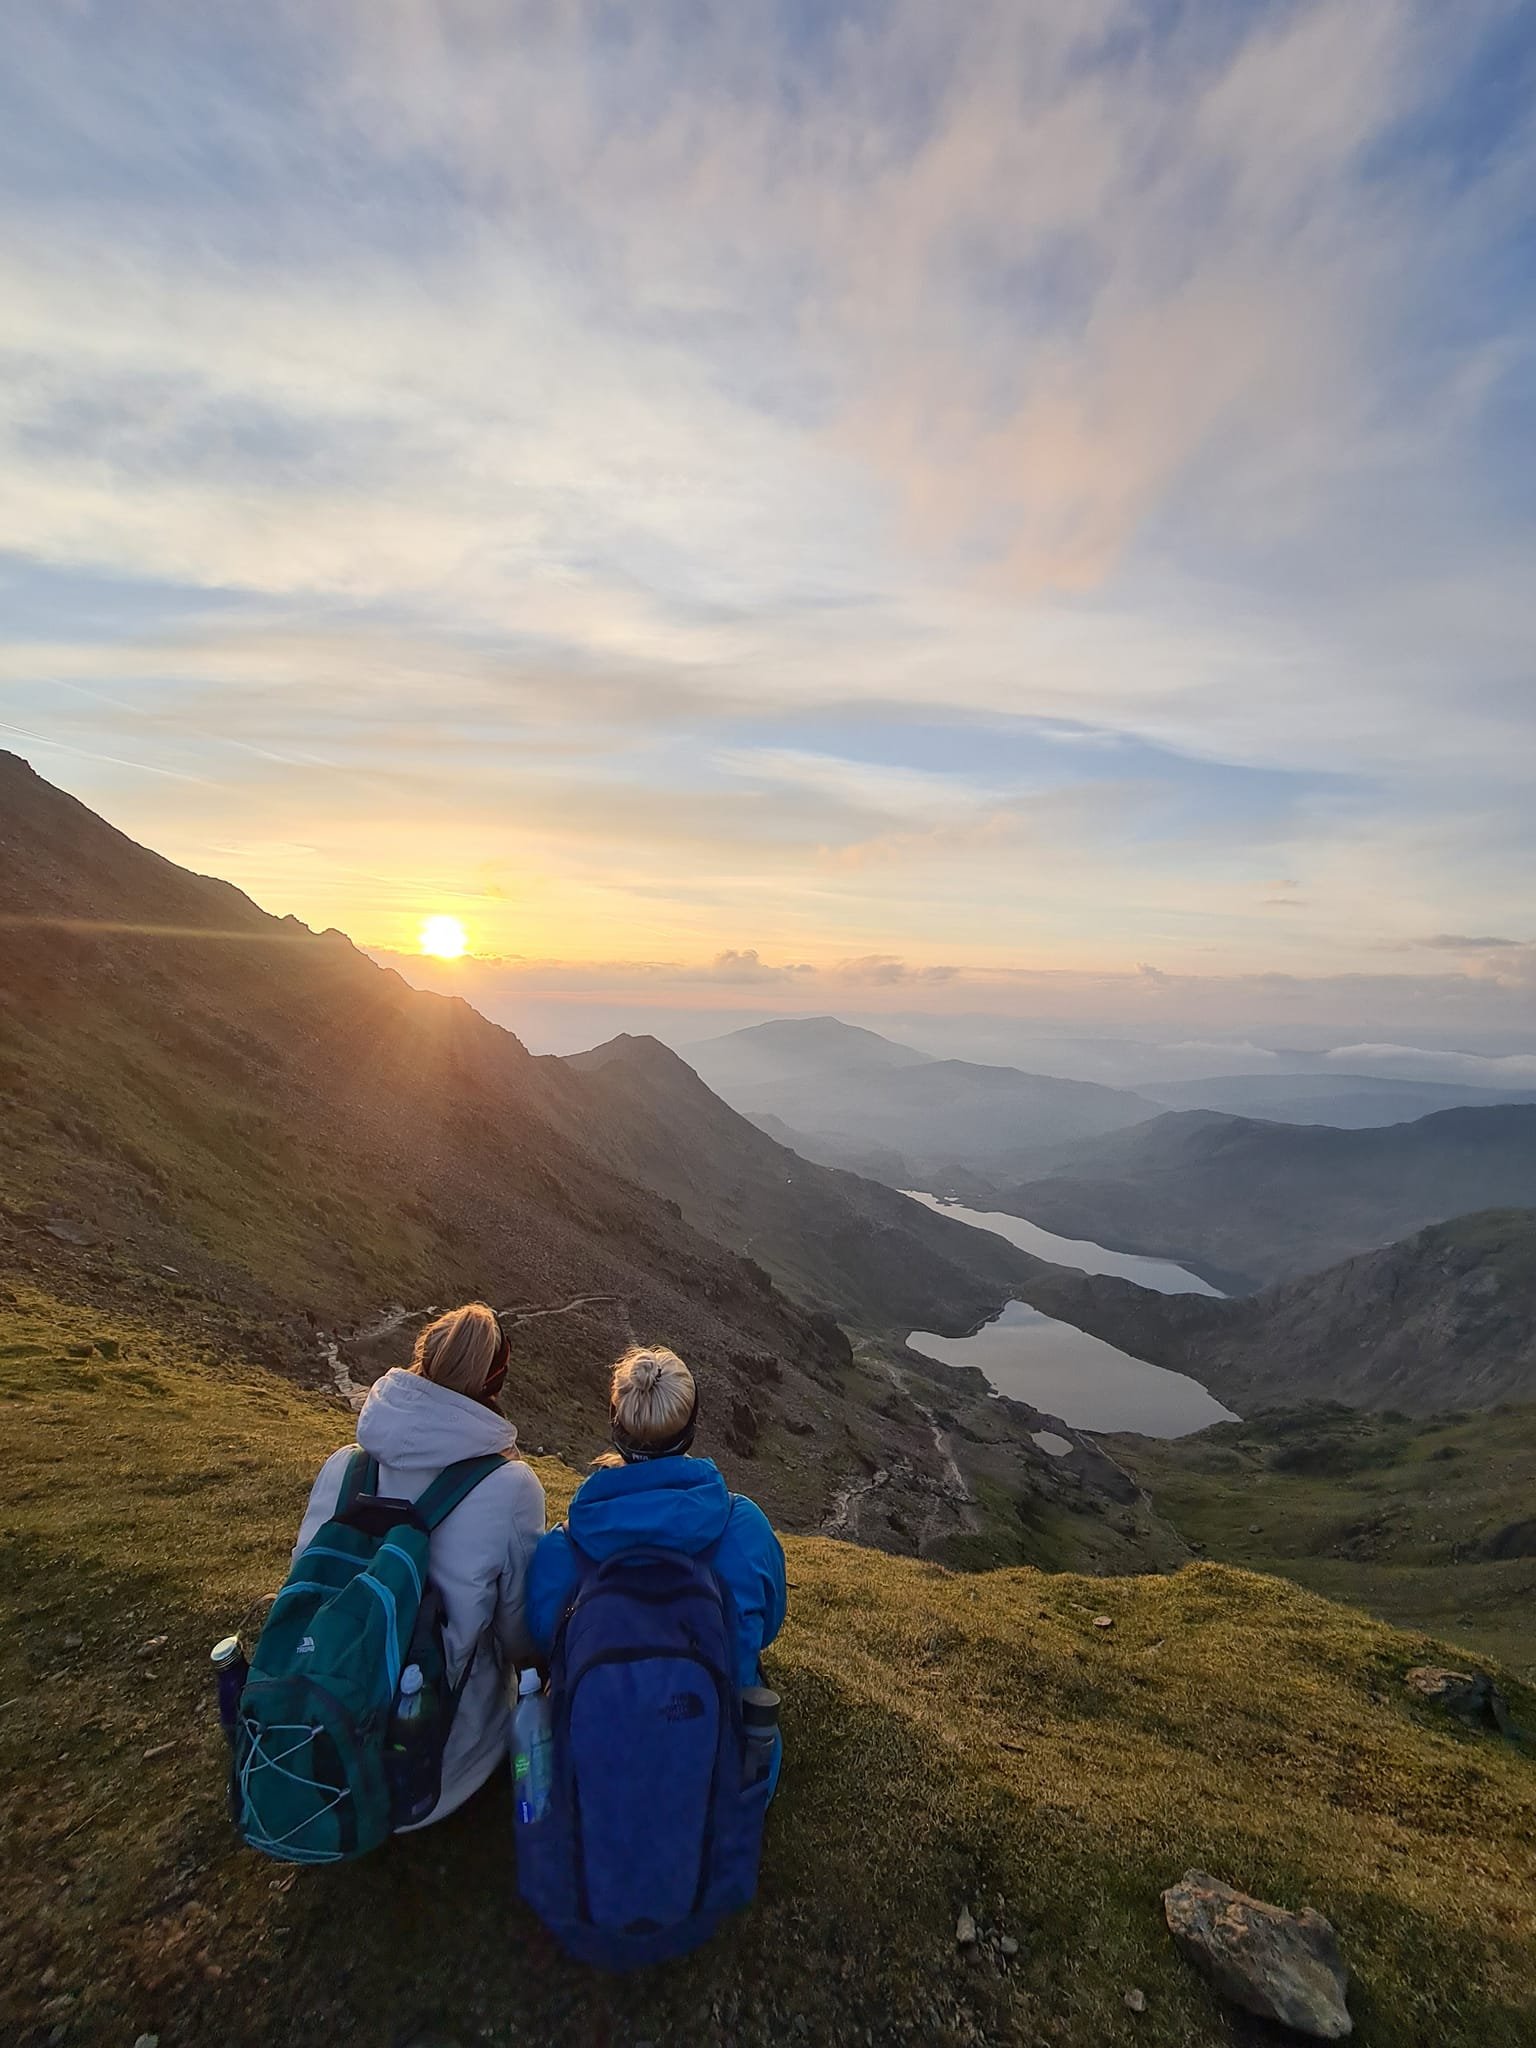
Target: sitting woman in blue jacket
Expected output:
[649,1492]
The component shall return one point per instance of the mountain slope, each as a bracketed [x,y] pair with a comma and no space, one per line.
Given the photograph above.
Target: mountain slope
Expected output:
[263,1131]
[1347,1101]
[856,1096]
[1444,1319]
[949,1739]
[1246,1203]
[829,1237]
[1426,1522]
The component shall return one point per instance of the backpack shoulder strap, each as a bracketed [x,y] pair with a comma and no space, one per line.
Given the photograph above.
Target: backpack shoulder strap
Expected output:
[360,1479]
[455,1483]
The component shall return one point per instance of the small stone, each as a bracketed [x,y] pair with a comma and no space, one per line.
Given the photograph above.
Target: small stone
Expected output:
[49,1980]
[148,1649]
[74,1642]
[147,2041]
[1471,1696]
[1007,1946]
[965,1929]
[1135,2001]
[160,1749]
[1275,1964]
[57,2034]
[1253,1529]
[1103,1621]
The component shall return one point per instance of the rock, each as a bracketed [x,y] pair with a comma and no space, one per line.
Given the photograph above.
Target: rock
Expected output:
[1135,2001]
[1471,1696]
[1277,1965]
[1254,1529]
[148,1649]
[160,1749]
[147,2041]
[74,1642]
[1103,1621]
[965,1929]
[1007,1946]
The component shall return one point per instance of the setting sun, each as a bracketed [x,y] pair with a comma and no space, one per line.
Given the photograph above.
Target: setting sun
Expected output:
[443,937]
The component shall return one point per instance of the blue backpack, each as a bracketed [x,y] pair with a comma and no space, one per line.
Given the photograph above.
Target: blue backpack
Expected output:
[652,1834]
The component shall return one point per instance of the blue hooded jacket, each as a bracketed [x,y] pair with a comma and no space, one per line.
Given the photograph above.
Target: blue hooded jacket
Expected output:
[671,1504]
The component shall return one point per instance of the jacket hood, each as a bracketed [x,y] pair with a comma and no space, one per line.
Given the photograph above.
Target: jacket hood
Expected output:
[416,1425]
[675,1503]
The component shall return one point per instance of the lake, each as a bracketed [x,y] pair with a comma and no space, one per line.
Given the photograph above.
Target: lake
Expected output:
[1062,1370]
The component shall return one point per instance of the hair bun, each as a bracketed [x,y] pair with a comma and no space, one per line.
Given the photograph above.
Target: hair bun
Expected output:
[646,1374]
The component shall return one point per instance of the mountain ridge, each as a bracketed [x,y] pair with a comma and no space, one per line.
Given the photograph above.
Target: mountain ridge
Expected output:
[217,1108]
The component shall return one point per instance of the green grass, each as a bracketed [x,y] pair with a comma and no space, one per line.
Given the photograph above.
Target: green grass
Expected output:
[950,1739]
[1380,1510]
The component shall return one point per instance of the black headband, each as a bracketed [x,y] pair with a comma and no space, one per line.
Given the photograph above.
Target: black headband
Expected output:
[634,1453]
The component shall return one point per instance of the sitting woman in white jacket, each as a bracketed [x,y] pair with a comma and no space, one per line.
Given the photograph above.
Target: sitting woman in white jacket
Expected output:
[415,1422]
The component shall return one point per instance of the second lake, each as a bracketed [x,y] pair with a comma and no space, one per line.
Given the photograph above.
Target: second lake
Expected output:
[1063,1370]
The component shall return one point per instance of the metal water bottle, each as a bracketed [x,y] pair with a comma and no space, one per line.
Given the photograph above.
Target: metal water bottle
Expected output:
[760,1723]
[230,1671]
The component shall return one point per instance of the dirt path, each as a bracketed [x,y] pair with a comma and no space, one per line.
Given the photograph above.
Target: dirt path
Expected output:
[394,1317]
[954,1499]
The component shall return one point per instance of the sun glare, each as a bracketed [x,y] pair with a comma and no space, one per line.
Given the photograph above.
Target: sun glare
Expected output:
[443,937]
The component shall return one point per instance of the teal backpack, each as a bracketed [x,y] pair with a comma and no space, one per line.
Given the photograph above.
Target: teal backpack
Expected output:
[309,1781]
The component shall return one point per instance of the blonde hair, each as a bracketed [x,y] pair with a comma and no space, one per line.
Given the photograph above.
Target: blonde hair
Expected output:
[459,1349]
[652,1395]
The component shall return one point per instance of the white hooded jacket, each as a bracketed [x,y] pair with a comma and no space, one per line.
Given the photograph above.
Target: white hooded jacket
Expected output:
[479,1556]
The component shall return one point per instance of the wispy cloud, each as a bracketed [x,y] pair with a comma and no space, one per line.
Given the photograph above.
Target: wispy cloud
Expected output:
[432,428]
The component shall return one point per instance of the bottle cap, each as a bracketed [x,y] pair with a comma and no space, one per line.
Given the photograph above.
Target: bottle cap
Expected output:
[410,1680]
[225,1651]
[529,1684]
[759,1706]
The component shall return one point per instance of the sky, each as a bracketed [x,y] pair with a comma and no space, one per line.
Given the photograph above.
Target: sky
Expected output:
[1018,510]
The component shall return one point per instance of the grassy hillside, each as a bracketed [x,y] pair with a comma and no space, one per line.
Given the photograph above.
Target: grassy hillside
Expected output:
[951,1739]
[1426,1523]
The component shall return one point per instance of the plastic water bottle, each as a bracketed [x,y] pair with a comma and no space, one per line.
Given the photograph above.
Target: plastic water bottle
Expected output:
[230,1670]
[760,1724]
[412,1763]
[532,1749]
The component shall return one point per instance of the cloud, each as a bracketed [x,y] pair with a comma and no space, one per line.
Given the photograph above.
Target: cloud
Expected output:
[1457,942]
[448,447]
[1509,1070]
[883,970]
[745,966]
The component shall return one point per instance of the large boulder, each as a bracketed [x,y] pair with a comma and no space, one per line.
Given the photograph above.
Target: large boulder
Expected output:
[1277,1965]
[1471,1696]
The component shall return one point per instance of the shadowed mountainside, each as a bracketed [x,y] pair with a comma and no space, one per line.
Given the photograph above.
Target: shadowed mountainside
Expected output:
[859,1099]
[1246,1203]
[1446,1319]
[1347,1101]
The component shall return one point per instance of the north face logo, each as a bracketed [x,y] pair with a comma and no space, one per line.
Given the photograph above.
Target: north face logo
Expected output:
[306,1647]
[684,1706]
